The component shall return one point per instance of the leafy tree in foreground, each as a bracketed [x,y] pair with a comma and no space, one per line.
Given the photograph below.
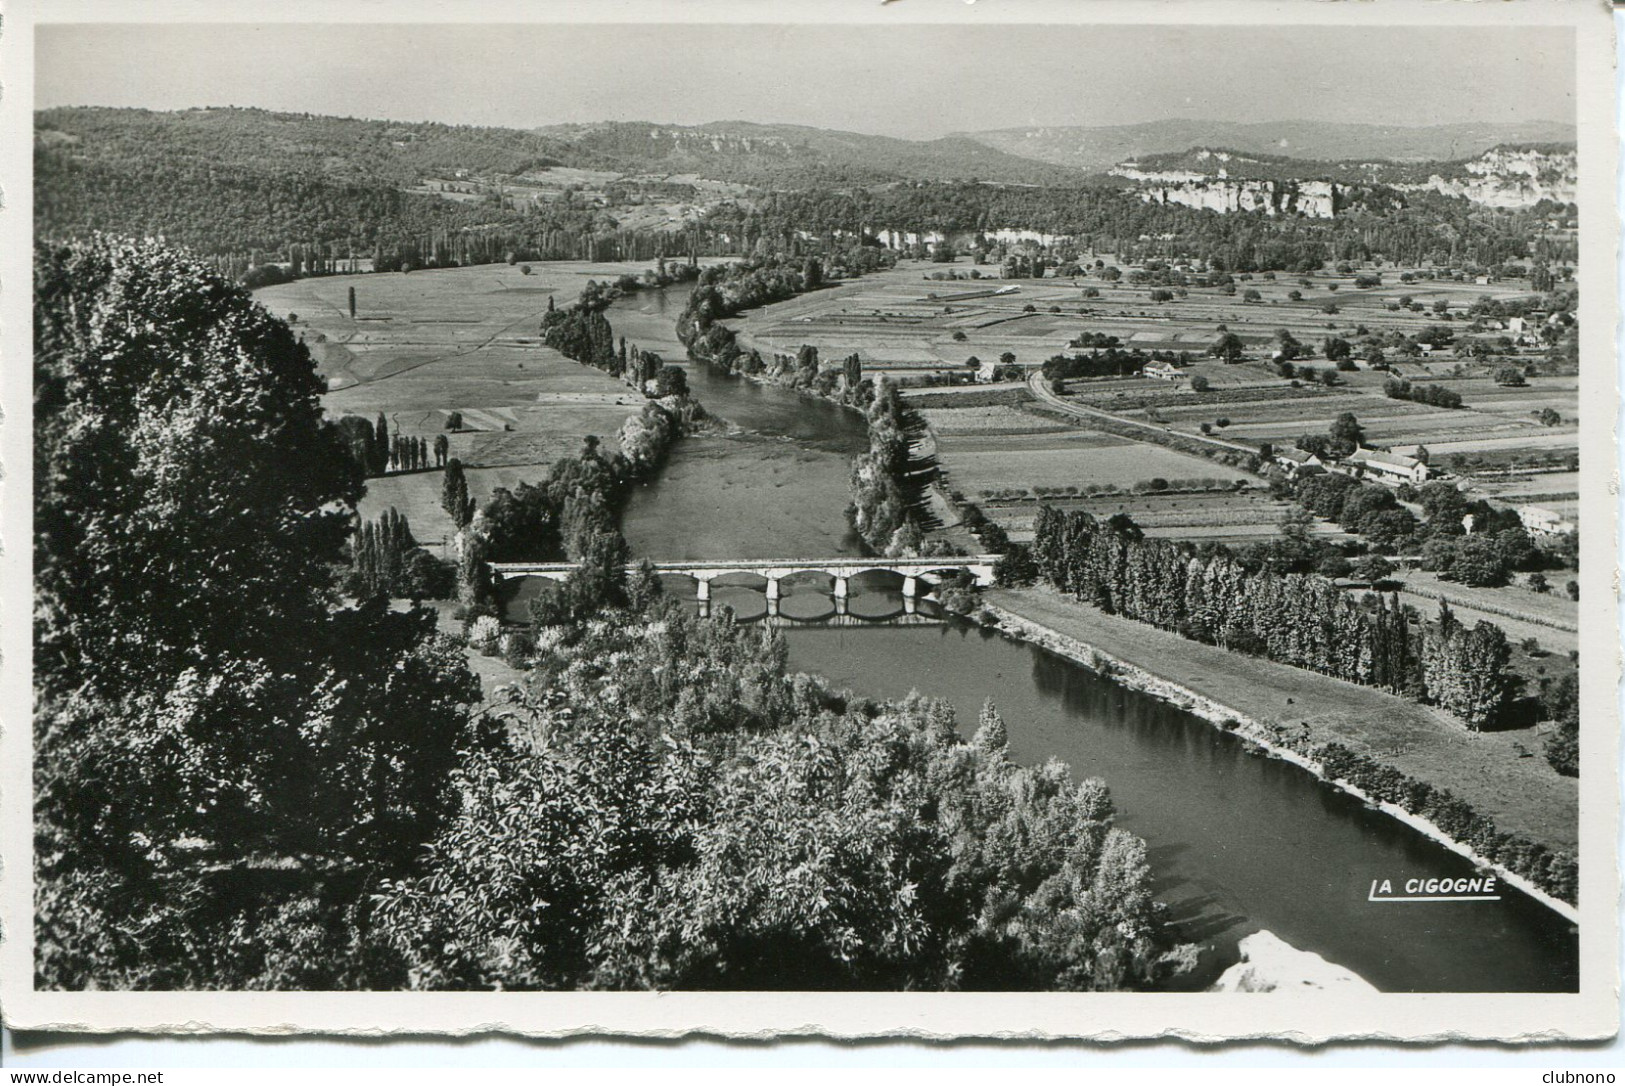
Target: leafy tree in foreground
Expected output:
[220,772]
[183,471]
[702,819]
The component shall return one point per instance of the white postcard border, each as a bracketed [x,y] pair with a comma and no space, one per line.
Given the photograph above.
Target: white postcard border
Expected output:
[1309,1018]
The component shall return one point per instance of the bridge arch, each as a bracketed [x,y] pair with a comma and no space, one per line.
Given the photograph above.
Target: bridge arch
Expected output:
[776,578]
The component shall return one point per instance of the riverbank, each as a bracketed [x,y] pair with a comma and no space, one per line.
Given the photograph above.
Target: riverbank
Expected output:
[1261,702]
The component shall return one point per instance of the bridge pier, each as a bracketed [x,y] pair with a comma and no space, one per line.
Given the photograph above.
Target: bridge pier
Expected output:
[839,570]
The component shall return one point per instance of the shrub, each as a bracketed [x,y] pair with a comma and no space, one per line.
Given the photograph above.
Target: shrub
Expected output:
[484,633]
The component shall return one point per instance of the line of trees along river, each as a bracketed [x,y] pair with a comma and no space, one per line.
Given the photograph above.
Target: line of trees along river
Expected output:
[1238,843]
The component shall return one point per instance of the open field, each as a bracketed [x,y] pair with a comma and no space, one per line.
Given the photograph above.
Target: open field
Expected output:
[906,323]
[465,340]
[1028,461]
[1279,414]
[1490,770]
[1548,489]
[1552,608]
[989,421]
[1238,517]
[1516,630]
[456,339]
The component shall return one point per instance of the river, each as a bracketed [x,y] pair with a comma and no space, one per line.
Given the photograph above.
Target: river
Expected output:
[1239,842]
[775,487]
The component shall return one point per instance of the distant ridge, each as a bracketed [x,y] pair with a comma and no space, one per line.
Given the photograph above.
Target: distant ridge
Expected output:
[777,154]
[1098,148]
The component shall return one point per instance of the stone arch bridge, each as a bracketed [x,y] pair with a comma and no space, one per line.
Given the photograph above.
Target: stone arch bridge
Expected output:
[921,576]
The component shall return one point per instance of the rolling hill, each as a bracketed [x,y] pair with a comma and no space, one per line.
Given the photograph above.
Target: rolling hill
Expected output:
[795,156]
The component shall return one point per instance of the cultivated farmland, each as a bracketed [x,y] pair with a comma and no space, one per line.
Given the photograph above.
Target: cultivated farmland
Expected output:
[429,345]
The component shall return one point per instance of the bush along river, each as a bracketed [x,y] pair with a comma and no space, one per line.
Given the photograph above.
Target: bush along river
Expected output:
[1240,842]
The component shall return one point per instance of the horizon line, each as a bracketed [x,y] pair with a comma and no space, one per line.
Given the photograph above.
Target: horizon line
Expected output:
[810,127]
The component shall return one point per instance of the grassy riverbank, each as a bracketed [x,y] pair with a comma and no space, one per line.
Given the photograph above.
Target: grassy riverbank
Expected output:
[1488,769]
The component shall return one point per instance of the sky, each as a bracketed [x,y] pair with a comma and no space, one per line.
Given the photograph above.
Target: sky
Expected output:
[917,82]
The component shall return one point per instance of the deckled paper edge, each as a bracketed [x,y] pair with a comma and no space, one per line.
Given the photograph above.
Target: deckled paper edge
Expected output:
[1102,1018]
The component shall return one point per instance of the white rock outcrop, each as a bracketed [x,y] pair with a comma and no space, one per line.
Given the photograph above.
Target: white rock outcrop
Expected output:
[1270,964]
[1315,199]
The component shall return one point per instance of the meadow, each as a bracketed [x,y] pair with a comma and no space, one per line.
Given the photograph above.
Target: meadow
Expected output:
[1058,461]
[1218,516]
[430,348]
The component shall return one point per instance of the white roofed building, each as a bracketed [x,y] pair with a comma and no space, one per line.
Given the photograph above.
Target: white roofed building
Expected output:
[1539,521]
[1164,371]
[1380,465]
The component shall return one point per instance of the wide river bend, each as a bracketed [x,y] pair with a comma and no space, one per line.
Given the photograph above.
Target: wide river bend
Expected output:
[1239,842]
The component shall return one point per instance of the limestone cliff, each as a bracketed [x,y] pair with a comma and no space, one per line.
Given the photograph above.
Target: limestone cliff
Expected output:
[1509,177]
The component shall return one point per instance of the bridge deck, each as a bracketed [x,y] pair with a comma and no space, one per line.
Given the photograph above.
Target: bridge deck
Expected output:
[748,564]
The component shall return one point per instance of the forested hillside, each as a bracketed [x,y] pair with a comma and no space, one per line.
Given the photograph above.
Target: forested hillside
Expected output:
[337,148]
[1427,227]
[249,186]
[1218,161]
[778,156]
[253,185]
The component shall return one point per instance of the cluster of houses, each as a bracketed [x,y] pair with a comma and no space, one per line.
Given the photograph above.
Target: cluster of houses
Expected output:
[1541,521]
[1395,469]
[1378,465]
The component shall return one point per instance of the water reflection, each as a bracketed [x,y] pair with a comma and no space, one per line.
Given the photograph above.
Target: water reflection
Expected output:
[1239,842]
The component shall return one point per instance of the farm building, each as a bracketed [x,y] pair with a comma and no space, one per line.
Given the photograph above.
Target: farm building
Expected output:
[1164,371]
[1297,462]
[1539,521]
[1385,467]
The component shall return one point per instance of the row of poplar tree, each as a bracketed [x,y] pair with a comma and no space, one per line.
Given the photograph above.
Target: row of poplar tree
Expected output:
[385,560]
[378,451]
[1299,619]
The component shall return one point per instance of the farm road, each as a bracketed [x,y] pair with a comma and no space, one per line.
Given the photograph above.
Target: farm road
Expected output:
[1041,390]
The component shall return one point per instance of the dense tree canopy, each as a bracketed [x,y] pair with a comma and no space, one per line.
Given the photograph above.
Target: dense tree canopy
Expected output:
[224,753]
[183,469]
[699,818]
